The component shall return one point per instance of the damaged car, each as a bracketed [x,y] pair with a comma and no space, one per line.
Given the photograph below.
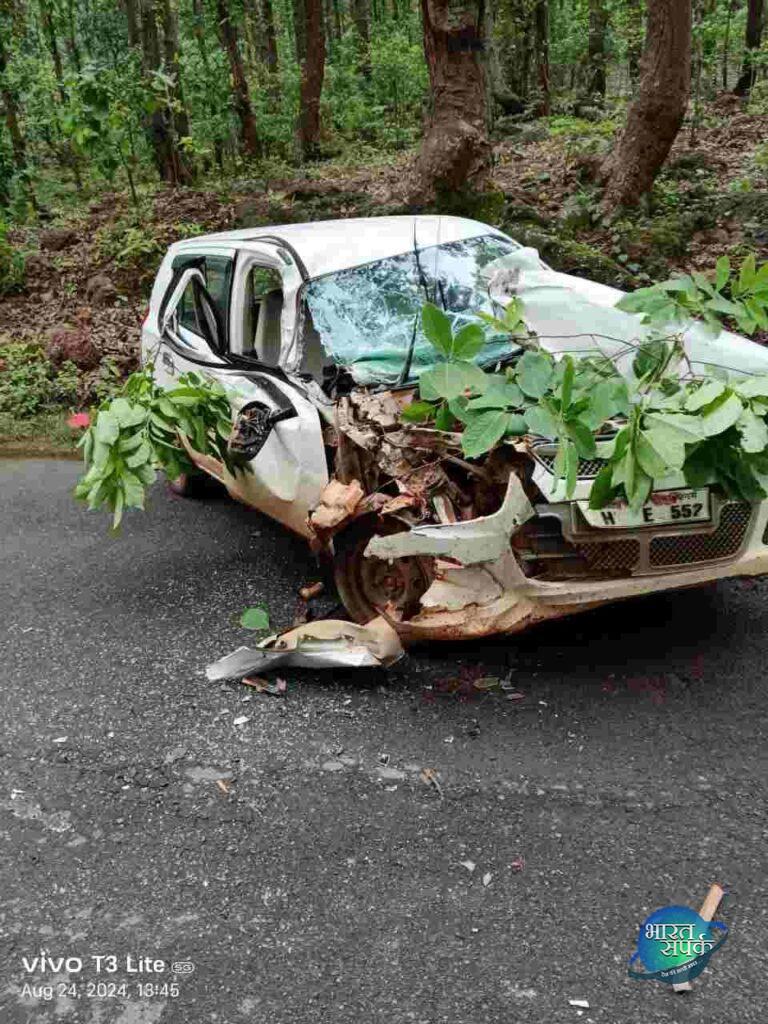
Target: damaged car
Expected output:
[317,331]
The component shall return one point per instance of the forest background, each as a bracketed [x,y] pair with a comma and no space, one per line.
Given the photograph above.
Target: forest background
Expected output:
[625,140]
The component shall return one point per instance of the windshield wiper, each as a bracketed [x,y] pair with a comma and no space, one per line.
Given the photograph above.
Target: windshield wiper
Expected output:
[406,370]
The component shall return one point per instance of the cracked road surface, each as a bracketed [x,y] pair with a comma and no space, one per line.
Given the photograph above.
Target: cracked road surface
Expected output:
[298,859]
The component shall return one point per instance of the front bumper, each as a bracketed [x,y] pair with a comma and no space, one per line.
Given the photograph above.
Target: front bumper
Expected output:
[474,595]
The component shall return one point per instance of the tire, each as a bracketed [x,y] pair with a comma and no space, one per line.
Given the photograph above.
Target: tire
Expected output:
[188,485]
[367,584]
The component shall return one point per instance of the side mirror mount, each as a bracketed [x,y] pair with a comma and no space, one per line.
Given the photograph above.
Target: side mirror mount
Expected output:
[253,425]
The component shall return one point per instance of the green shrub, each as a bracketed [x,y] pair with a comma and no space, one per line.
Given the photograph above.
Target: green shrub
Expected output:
[12,269]
[29,383]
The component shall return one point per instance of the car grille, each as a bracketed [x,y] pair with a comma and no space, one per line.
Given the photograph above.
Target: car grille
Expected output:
[689,548]
[545,456]
[547,554]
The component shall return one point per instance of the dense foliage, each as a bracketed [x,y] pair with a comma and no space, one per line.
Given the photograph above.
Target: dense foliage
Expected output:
[138,432]
[656,423]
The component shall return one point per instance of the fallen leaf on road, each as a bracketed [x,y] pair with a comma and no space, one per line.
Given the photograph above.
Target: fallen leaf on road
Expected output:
[487,684]
[429,777]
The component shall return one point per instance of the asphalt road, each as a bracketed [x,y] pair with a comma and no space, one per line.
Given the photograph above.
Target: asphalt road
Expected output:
[325,885]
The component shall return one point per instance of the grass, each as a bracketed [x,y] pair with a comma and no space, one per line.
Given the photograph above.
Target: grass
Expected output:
[40,436]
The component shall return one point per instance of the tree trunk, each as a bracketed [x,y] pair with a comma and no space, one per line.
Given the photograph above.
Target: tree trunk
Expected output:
[72,47]
[11,108]
[541,37]
[361,15]
[655,116]
[727,44]
[198,30]
[269,37]
[312,74]
[176,112]
[133,21]
[49,31]
[598,24]
[242,96]
[300,29]
[161,127]
[455,151]
[753,38]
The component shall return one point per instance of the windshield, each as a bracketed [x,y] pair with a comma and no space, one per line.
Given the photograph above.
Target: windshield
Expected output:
[366,316]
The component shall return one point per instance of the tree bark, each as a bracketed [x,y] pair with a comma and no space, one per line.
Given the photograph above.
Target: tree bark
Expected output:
[361,15]
[541,37]
[49,31]
[133,22]
[753,38]
[249,137]
[455,151]
[162,127]
[11,107]
[655,116]
[312,74]
[268,37]
[300,29]
[598,24]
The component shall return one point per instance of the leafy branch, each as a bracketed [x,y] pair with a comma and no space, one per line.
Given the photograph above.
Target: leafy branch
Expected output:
[140,431]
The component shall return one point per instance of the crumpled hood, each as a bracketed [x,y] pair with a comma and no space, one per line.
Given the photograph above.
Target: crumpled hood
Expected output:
[571,314]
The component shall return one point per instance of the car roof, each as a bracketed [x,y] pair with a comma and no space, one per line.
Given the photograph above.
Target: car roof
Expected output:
[330,245]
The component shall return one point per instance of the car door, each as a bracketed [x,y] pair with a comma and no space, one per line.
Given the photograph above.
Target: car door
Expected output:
[285,470]
[182,315]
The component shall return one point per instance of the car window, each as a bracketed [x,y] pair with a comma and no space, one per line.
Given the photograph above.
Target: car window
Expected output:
[217,271]
[368,316]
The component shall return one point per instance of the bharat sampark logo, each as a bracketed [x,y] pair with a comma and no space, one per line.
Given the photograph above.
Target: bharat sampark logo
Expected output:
[675,944]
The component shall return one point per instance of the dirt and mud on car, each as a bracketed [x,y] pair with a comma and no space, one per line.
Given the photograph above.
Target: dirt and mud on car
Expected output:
[475,442]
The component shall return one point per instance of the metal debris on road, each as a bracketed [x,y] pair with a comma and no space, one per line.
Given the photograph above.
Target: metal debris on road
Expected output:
[328,643]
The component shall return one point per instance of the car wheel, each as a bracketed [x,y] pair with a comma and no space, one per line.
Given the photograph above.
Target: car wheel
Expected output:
[188,485]
[367,584]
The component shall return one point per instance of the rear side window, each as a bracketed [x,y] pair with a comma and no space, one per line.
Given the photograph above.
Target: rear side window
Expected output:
[218,280]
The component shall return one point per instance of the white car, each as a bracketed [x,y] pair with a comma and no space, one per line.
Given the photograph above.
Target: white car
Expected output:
[315,331]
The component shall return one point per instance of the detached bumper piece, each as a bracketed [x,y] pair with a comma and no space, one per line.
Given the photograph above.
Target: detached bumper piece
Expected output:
[328,643]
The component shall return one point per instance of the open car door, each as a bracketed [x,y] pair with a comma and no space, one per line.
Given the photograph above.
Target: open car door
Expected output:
[277,432]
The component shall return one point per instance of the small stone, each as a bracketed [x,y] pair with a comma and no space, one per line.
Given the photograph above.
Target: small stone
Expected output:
[391,774]
[332,766]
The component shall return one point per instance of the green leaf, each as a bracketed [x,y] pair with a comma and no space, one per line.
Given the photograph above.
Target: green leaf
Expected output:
[638,487]
[444,419]
[649,459]
[118,509]
[468,341]
[602,492]
[667,444]
[255,618]
[483,431]
[571,468]
[689,428]
[500,393]
[651,357]
[723,272]
[721,414]
[516,425]
[534,372]
[754,432]
[541,422]
[706,392]
[107,429]
[437,328]
[566,387]
[584,439]
[753,387]
[416,412]
[747,273]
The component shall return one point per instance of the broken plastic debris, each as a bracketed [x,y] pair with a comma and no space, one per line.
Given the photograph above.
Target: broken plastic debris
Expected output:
[579,1002]
[241,720]
[328,643]
[487,878]
[469,865]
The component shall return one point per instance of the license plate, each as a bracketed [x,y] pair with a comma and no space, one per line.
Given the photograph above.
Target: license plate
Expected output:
[662,508]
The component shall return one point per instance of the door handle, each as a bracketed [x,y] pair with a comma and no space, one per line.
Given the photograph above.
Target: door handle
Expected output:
[168,363]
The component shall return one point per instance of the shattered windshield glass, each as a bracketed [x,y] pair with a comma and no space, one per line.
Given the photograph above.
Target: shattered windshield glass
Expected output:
[366,316]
